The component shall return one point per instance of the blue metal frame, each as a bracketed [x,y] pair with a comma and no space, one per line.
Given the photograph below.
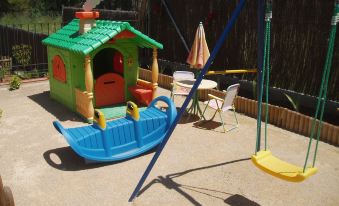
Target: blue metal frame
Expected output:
[164,2]
[219,43]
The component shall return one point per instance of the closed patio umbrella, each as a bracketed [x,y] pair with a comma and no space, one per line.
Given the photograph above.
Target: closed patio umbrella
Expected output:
[199,53]
[197,59]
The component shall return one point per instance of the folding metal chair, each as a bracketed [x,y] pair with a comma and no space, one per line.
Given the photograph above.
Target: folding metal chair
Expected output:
[223,105]
[176,89]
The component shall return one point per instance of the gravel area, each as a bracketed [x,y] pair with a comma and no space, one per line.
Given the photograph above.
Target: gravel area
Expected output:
[199,166]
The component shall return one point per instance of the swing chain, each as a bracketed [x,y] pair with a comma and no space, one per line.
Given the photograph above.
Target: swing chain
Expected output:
[323,90]
[268,11]
[335,17]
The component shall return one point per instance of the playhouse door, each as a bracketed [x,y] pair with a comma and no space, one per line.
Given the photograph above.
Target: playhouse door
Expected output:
[109,89]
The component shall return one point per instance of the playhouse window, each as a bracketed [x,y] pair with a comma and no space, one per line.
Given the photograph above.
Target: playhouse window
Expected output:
[59,71]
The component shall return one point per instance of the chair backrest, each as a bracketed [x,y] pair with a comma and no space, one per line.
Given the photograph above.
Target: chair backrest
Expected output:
[182,75]
[231,93]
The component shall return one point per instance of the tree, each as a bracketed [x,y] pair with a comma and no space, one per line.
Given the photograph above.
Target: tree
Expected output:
[4,6]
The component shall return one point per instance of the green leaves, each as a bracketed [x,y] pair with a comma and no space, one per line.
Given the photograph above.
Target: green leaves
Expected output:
[2,73]
[22,54]
[294,102]
[14,83]
[254,89]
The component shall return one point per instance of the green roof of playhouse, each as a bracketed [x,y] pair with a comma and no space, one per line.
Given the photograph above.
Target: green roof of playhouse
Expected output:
[68,37]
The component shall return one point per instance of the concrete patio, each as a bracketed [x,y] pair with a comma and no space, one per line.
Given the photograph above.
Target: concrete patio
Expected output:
[199,166]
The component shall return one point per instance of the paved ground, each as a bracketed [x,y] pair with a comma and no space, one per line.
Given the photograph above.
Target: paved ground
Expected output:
[197,167]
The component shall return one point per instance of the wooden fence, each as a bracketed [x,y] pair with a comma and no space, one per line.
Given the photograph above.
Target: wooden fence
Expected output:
[10,37]
[40,28]
[5,62]
[68,13]
[300,31]
[33,34]
[278,116]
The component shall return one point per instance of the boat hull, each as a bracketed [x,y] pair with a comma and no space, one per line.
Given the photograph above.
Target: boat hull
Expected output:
[122,138]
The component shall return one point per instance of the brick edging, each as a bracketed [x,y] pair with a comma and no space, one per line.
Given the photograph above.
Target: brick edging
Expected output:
[279,116]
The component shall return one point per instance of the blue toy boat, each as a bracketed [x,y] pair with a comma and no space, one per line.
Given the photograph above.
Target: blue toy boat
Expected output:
[121,138]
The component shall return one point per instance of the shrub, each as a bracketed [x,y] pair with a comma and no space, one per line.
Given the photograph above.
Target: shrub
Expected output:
[23,74]
[2,73]
[14,83]
[22,54]
[35,73]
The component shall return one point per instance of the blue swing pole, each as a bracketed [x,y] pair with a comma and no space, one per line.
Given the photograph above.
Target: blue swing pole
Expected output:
[218,45]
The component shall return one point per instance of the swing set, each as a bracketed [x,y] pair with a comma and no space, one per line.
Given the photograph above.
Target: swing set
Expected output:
[263,159]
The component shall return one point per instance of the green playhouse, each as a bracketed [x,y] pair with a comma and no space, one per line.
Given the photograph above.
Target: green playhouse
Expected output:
[94,63]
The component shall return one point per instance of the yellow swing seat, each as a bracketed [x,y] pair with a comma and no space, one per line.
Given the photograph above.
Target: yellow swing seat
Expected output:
[265,161]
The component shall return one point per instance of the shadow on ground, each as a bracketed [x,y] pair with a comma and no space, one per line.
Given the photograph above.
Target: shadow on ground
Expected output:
[187,118]
[169,183]
[207,124]
[61,112]
[239,200]
[213,125]
[66,159]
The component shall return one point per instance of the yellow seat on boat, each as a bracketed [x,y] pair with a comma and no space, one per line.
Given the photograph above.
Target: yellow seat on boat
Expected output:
[281,169]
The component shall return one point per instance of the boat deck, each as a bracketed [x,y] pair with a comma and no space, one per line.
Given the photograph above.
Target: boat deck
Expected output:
[116,111]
